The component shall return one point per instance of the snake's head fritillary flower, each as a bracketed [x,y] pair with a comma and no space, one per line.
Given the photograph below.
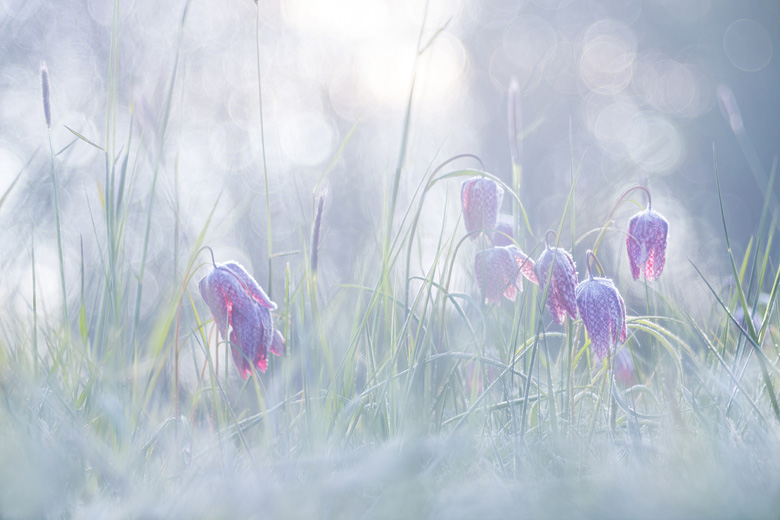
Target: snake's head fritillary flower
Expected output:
[236,299]
[481,198]
[603,313]
[504,233]
[500,270]
[560,294]
[646,243]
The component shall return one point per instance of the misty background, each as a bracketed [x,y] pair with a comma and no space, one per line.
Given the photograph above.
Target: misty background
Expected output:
[625,91]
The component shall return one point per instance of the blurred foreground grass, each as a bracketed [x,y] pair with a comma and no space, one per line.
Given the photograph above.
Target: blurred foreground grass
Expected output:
[402,395]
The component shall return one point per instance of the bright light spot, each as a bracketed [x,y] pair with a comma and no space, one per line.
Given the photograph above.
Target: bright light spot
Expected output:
[10,165]
[435,12]
[440,70]
[307,138]
[344,20]
[22,104]
[21,9]
[526,43]
[243,105]
[206,24]
[608,54]
[560,68]
[342,93]
[102,12]
[47,282]
[228,145]
[748,45]
[628,11]
[614,123]
[654,144]
[386,70]
[494,13]
[674,88]
[552,4]
[729,108]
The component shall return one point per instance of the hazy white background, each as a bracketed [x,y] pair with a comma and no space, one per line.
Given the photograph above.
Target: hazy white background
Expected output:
[633,82]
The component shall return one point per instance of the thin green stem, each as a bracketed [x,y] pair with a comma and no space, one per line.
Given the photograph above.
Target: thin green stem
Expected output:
[269,227]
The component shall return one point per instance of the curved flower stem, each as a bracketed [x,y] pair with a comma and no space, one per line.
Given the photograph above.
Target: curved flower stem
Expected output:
[591,255]
[546,238]
[620,199]
[213,262]
[269,227]
[413,229]
[632,189]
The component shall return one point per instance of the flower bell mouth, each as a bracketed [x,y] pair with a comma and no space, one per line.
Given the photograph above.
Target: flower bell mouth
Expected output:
[236,299]
[481,199]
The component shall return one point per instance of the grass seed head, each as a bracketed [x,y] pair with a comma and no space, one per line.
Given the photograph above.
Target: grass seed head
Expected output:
[45,94]
[315,233]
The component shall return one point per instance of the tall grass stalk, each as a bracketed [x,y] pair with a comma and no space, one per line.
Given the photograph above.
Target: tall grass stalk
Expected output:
[269,226]
[46,98]
[158,159]
[751,336]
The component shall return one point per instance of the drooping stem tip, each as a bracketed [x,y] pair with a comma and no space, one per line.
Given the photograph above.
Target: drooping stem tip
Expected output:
[213,262]
[590,255]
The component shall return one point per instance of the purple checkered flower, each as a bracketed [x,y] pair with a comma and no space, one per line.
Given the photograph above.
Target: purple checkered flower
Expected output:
[235,299]
[646,243]
[560,294]
[499,271]
[603,312]
[481,199]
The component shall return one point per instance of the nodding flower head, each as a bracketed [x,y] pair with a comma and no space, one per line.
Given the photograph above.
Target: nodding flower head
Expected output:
[481,198]
[646,243]
[603,312]
[235,299]
[560,294]
[45,94]
[499,271]
[646,240]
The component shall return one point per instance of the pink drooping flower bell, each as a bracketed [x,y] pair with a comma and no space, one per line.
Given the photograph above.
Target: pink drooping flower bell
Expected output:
[235,299]
[603,312]
[499,271]
[646,241]
[481,199]
[560,294]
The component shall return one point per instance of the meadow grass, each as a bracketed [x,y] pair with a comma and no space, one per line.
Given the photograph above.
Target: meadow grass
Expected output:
[402,394]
